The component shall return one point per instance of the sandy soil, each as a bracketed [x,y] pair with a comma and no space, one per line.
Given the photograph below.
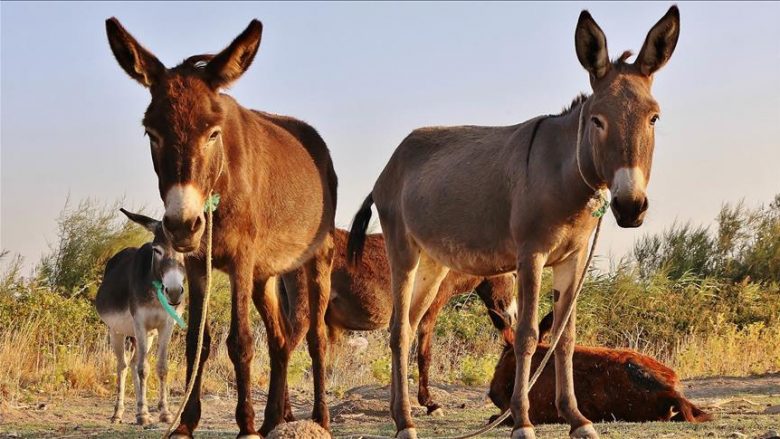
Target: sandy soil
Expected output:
[745,407]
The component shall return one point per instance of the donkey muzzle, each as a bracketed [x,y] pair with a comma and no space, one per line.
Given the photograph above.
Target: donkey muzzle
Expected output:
[185,234]
[629,212]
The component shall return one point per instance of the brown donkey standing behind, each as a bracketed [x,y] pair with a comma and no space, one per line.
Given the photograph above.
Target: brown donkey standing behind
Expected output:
[360,300]
[278,198]
[489,200]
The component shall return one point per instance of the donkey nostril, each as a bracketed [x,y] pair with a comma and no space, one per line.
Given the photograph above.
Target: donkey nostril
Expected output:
[645,205]
[167,223]
[196,224]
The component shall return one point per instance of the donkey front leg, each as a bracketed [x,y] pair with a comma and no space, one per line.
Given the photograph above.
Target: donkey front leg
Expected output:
[162,371]
[318,276]
[118,346]
[196,277]
[141,372]
[529,278]
[565,278]
[240,345]
[266,301]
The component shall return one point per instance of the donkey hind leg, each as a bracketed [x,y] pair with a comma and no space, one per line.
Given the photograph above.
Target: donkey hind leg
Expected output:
[162,371]
[196,278]
[118,346]
[268,306]
[424,336]
[296,295]
[240,345]
[318,276]
[529,278]
[565,278]
[403,255]
[141,372]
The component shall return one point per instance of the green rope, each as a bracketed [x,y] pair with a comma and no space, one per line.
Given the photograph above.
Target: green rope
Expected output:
[158,286]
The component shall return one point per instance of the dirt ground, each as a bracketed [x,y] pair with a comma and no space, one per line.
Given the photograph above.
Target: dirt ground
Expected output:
[745,407]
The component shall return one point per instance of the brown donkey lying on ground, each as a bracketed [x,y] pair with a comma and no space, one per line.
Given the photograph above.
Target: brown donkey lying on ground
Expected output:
[360,300]
[488,200]
[278,200]
[127,302]
[611,385]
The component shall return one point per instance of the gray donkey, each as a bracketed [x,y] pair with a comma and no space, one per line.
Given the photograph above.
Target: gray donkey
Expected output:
[127,302]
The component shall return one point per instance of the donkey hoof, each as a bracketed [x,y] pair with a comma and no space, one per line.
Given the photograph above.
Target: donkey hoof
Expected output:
[524,433]
[407,433]
[584,432]
[143,419]
[116,419]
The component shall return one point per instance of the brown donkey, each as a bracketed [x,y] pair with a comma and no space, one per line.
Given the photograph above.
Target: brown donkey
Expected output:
[489,200]
[278,199]
[612,385]
[360,300]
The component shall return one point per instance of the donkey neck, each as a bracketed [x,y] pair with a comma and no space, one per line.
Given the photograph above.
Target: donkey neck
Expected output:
[576,181]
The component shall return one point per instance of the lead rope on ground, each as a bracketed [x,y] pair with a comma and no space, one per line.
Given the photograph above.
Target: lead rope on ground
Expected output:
[211,205]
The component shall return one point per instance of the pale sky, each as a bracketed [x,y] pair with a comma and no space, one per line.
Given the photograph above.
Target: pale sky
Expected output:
[365,75]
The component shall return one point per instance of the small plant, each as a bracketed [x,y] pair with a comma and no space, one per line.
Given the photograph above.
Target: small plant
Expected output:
[477,371]
[381,370]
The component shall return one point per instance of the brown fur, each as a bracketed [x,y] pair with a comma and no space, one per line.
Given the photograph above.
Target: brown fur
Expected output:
[278,200]
[611,385]
[459,198]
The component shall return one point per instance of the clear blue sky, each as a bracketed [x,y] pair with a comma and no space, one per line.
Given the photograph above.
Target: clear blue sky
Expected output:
[365,75]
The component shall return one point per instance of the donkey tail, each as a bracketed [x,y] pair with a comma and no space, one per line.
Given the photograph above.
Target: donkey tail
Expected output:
[357,233]
[688,412]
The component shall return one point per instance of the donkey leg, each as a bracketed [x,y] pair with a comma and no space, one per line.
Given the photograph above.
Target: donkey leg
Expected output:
[403,255]
[318,276]
[565,278]
[196,278]
[162,371]
[141,370]
[529,275]
[296,294]
[267,303]
[118,346]
[240,344]
[424,336]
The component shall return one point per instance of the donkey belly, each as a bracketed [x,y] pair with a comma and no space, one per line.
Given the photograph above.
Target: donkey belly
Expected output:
[119,322]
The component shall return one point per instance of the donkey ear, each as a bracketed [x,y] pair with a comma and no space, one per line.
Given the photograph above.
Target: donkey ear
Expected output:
[138,62]
[149,224]
[591,45]
[660,43]
[232,62]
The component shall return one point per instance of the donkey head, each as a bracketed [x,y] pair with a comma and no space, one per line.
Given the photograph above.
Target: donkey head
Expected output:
[619,121]
[167,264]
[185,122]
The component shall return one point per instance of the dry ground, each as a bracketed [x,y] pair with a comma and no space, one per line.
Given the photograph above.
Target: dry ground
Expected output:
[745,407]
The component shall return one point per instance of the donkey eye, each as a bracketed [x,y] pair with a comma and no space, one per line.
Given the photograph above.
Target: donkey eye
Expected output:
[214,135]
[157,251]
[596,121]
[152,139]
[654,119]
